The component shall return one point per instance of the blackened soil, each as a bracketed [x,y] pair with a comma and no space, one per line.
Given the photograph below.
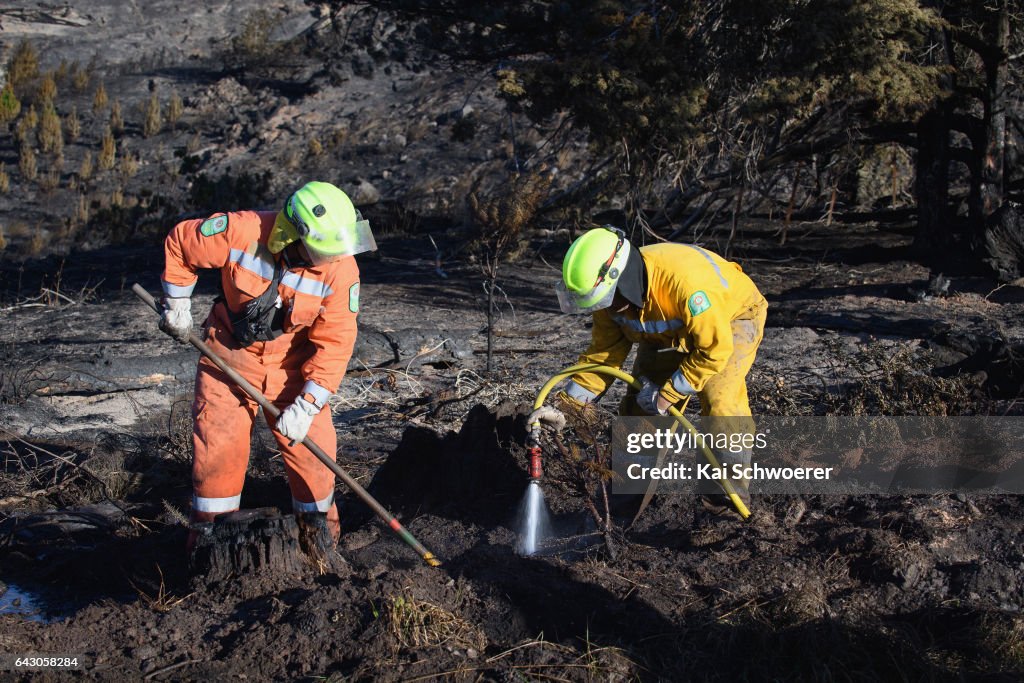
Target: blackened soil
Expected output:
[840,588]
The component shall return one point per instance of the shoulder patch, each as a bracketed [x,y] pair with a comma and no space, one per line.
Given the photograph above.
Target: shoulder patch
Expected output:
[214,226]
[698,303]
[353,298]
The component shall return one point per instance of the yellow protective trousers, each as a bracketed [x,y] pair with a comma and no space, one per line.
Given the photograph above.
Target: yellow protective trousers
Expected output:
[725,393]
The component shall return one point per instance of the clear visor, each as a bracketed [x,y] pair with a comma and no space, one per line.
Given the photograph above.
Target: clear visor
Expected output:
[571,302]
[355,241]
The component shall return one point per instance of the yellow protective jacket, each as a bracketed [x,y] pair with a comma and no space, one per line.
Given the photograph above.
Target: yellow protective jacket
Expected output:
[693,295]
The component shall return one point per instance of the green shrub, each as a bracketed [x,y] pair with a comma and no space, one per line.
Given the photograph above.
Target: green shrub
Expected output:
[10,105]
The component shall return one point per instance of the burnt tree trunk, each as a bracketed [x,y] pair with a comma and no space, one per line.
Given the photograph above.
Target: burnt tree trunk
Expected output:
[1002,225]
[936,231]
[996,103]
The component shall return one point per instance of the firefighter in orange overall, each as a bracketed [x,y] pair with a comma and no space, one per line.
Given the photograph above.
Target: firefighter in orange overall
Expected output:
[286,322]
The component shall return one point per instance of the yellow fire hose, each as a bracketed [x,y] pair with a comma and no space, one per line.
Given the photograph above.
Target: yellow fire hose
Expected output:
[535,467]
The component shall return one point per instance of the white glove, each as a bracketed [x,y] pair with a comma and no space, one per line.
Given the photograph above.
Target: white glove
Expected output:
[294,421]
[647,397]
[176,320]
[548,415]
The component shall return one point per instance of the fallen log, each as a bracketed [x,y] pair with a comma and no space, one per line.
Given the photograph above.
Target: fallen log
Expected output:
[412,347]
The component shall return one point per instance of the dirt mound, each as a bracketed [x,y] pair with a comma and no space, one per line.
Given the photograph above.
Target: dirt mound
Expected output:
[469,474]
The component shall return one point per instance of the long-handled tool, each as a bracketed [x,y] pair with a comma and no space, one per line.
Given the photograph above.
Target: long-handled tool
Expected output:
[271,411]
[535,452]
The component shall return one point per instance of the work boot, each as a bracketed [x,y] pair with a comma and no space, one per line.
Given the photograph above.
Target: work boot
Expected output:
[200,524]
[319,543]
[720,503]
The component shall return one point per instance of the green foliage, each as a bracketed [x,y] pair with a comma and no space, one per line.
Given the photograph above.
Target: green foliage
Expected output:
[10,105]
[657,74]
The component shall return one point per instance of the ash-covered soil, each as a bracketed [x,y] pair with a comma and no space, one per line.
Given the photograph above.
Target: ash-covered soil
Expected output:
[94,402]
[820,587]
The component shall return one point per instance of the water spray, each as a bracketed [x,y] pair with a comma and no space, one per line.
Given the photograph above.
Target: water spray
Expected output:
[616,373]
[534,518]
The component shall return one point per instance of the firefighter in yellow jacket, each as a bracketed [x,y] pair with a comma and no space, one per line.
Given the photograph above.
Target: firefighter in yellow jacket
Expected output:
[696,318]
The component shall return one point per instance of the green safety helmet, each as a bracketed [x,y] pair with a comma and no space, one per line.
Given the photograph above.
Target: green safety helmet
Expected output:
[323,217]
[591,270]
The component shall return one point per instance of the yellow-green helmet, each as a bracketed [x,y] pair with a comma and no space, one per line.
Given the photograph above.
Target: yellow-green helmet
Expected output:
[591,270]
[323,217]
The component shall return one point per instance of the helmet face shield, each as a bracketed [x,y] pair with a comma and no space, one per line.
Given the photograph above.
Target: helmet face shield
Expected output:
[572,302]
[282,234]
[591,271]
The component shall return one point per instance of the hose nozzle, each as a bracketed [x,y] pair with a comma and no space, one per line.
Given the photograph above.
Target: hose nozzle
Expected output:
[536,470]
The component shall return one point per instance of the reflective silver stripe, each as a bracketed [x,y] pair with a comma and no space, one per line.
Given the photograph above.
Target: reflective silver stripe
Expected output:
[253,263]
[228,504]
[714,265]
[578,393]
[680,384]
[649,327]
[316,506]
[306,285]
[177,291]
[319,394]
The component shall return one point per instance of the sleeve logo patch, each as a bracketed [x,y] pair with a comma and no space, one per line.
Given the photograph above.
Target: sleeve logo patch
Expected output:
[698,303]
[353,298]
[214,226]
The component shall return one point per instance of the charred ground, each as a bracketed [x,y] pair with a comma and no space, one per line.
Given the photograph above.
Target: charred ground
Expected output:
[96,486]
[95,431]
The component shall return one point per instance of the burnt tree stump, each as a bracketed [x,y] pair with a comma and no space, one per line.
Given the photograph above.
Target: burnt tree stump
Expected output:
[246,541]
[249,541]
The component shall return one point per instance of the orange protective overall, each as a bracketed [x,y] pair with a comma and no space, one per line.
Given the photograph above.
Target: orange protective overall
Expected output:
[319,306]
